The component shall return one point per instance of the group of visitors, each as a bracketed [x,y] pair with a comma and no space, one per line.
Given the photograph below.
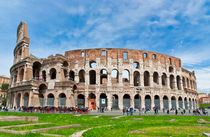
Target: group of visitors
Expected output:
[128,111]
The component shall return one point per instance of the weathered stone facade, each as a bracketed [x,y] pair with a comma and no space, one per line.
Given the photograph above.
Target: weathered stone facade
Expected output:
[106,77]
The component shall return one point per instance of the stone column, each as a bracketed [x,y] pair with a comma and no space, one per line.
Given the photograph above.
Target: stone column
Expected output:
[183,104]
[22,100]
[177,102]
[175,83]
[131,79]
[142,79]
[160,81]
[87,79]
[86,99]
[120,78]
[15,102]
[168,82]
[109,83]
[181,84]
[97,100]
[169,102]
[109,104]
[132,101]
[25,73]
[143,101]
[151,80]
[98,79]
[161,103]
[120,103]
[152,102]
[76,76]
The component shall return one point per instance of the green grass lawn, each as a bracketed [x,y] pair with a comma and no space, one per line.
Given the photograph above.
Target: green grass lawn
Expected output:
[204,105]
[104,126]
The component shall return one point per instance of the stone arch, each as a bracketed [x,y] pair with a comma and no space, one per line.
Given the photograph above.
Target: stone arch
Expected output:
[52,73]
[178,81]
[62,99]
[155,78]
[21,74]
[136,77]
[65,73]
[26,99]
[82,76]
[164,77]
[171,69]
[92,64]
[173,102]
[146,78]
[115,76]
[36,70]
[115,102]
[103,76]
[71,75]
[81,101]
[183,81]
[50,99]
[137,101]
[92,76]
[92,101]
[165,102]
[180,102]
[172,82]
[185,103]
[126,76]
[103,100]
[157,101]
[18,99]
[65,64]
[126,101]
[148,102]
[135,65]
[42,91]
[44,75]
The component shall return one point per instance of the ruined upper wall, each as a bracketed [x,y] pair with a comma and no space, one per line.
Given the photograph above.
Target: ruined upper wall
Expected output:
[116,53]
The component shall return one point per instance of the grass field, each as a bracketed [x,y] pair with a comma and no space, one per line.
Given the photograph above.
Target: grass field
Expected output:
[105,126]
[204,105]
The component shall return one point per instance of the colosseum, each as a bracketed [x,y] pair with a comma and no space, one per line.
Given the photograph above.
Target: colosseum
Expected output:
[113,78]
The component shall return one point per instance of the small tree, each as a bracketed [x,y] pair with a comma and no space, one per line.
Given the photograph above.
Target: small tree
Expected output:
[4,101]
[4,87]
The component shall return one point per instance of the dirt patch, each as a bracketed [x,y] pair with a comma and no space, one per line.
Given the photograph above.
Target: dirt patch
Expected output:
[202,121]
[116,117]
[136,131]
[172,120]
[15,118]
[206,134]
[138,118]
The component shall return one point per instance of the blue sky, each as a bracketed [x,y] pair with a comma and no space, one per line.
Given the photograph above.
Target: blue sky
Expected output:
[179,28]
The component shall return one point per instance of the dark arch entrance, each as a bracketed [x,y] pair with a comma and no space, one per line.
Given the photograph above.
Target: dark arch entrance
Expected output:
[18,100]
[137,102]
[157,101]
[26,99]
[115,102]
[50,100]
[185,103]
[193,104]
[180,102]
[126,101]
[190,103]
[92,101]
[103,100]
[81,101]
[62,100]
[42,90]
[173,102]
[165,102]
[147,102]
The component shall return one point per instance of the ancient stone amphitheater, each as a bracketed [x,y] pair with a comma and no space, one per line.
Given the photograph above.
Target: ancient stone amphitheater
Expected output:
[107,77]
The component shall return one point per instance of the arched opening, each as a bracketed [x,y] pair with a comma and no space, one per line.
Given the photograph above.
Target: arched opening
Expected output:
[103,100]
[191,87]
[62,100]
[157,101]
[178,80]
[185,103]
[115,102]
[44,75]
[193,103]
[18,100]
[50,100]
[65,64]
[147,102]
[146,78]
[42,91]
[137,101]
[126,101]
[81,76]
[92,64]
[164,77]
[172,82]
[21,74]
[65,73]
[180,102]
[171,69]
[26,99]
[136,77]
[173,102]
[126,76]
[155,78]
[114,76]
[103,76]
[92,101]
[71,75]
[135,65]
[36,70]
[190,103]
[52,73]
[92,75]
[183,81]
[188,85]
[81,101]
[165,102]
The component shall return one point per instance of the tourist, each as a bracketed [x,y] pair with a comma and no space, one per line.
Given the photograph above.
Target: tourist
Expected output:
[176,111]
[131,111]
[168,111]
[124,111]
